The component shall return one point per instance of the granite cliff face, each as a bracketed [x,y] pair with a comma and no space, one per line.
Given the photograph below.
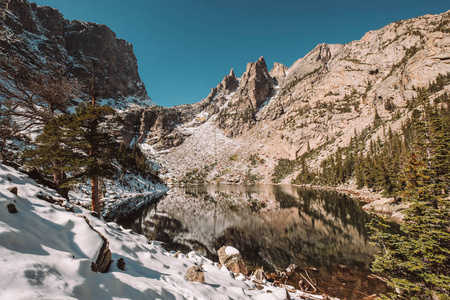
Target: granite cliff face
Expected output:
[241,130]
[40,34]
[255,86]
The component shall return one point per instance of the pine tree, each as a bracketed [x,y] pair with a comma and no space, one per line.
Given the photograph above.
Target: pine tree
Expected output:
[95,143]
[6,132]
[53,154]
[78,144]
[417,260]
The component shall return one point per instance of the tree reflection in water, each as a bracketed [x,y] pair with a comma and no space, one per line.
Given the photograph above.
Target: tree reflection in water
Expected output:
[272,226]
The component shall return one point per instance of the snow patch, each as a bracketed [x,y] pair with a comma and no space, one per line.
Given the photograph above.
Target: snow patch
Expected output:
[231,250]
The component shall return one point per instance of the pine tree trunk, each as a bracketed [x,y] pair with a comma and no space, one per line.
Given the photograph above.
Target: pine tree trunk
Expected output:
[57,176]
[95,202]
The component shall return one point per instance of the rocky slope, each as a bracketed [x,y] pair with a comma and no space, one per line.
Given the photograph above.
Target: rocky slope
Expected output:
[43,40]
[242,129]
[40,34]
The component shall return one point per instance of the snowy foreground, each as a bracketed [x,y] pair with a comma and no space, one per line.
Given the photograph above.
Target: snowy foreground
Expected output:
[46,252]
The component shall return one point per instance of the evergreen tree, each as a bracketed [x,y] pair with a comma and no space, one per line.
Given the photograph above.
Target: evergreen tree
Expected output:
[6,132]
[79,144]
[97,146]
[53,153]
[417,260]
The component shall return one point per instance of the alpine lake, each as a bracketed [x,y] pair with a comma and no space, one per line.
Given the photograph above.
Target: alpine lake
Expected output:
[323,232]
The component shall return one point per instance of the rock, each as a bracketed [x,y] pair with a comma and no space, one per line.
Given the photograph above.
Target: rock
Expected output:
[324,53]
[13,190]
[398,217]
[254,88]
[121,264]
[194,274]
[232,260]
[229,83]
[260,275]
[278,72]
[104,257]
[291,269]
[103,260]
[115,65]
[40,33]
[12,208]
[45,197]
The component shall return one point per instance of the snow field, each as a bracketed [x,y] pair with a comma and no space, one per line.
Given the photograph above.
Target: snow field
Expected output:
[46,252]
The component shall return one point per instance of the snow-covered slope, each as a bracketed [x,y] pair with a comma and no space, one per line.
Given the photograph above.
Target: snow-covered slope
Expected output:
[47,252]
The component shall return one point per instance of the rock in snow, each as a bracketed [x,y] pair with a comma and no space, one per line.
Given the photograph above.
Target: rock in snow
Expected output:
[13,190]
[121,264]
[12,208]
[194,274]
[232,260]
[47,252]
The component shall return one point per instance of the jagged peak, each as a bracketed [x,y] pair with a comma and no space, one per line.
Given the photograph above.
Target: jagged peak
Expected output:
[261,62]
[259,65]
[277,67]
[229,83]
[278,71]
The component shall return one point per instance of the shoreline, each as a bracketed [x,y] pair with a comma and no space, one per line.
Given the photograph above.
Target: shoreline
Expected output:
[374,201]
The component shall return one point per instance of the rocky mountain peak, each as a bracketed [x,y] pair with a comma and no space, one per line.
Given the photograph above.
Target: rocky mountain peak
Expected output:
[229,83]
[278,72]
[40,33]
[254,85]
[254,88]
[320,103]
[324,53]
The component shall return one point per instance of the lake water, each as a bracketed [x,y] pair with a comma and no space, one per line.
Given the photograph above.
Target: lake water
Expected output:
[272,226]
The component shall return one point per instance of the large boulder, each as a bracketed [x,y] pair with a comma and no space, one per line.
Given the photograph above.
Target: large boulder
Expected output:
[103,260]
[232,260]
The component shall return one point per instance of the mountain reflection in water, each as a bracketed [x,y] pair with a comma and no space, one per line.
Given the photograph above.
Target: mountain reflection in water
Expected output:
[272,226]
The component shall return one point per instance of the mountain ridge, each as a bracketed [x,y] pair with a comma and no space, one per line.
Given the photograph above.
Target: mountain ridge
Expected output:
[40,34]
[322,100]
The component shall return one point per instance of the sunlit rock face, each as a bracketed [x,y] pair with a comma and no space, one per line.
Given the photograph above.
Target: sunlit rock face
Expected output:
[40,34]
[320,103]
[255,86]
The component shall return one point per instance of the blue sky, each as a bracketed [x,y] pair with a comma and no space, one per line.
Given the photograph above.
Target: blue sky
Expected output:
[185,47]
